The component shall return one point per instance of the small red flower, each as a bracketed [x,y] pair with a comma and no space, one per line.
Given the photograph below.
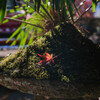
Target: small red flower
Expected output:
[46,58]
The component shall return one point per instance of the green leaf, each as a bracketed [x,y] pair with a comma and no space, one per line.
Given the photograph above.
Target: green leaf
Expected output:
[65,13]
[19,34]
[26,35]
[31,5]
[62,4]
[47,4]
[22,33]
[3,4]
[57,2]
[32,37]
[15,33]
[76,9]
[93,5]
[14,17]
[46,11]
[53,4]
[70,8]
[35,4]
[38,6]
[14,42]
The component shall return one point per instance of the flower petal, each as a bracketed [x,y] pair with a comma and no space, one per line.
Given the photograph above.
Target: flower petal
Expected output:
[47,54]
[42,56]
[52,61]
[46,58]
[42,61]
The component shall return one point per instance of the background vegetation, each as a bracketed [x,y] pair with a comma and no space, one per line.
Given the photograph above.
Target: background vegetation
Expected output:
[44,16]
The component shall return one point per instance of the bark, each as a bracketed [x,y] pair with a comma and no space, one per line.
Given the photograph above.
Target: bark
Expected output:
[75,74]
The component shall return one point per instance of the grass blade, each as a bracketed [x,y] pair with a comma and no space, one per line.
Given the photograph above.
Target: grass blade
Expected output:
[70,8]
[39,4]
[76,9]
[3,4]
[93,5]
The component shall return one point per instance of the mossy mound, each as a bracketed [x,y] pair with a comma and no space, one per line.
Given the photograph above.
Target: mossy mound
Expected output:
[77,57]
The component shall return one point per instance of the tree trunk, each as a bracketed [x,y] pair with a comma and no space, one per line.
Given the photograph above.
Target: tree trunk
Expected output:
[75,73]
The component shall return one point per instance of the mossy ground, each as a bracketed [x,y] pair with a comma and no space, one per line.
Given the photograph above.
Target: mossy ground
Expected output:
[77,57]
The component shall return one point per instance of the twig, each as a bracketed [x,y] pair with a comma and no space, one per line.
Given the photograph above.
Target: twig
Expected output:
[83,14]
[57,55]
[79,5]
[18,20]
[74,11]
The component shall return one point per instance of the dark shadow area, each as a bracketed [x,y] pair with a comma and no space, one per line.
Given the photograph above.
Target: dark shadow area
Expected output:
[7,94]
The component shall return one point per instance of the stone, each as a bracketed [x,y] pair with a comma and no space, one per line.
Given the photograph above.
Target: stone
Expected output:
[75,74]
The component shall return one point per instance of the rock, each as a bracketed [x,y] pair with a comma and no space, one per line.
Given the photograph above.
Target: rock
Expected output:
[75,74]
[7,94]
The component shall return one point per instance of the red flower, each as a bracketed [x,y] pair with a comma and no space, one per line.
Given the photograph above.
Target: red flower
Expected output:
[46,58]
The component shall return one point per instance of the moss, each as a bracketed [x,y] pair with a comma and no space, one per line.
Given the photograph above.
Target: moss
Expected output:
[77,57]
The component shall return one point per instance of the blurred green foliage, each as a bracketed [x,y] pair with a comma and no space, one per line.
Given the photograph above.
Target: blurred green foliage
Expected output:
[44,16]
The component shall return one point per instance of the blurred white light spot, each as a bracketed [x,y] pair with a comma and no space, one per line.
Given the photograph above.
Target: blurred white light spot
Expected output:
[48,3]
[7,30]
[13,29]
[1,30]
[98,29]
